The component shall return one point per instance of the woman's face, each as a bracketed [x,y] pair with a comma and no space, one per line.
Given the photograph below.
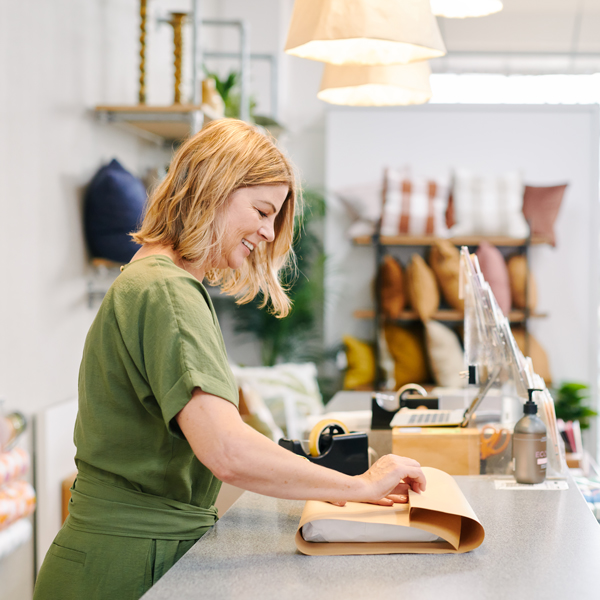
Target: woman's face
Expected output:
[249,221]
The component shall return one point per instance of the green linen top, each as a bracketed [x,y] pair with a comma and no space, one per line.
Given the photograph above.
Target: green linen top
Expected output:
[155,338]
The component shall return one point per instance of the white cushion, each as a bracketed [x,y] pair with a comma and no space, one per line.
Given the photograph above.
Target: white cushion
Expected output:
[445,354]
[363,201]
[289,390]
[488,205]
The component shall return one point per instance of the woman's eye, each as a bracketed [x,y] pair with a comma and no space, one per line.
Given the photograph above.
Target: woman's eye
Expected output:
[262,214]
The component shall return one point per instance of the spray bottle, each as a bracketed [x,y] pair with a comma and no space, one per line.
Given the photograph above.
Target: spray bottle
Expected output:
[529,444]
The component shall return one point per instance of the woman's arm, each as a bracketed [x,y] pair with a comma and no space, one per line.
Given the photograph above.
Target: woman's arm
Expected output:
[239,455]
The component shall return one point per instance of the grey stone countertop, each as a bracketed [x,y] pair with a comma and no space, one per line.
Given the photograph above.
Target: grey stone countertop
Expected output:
[538,545]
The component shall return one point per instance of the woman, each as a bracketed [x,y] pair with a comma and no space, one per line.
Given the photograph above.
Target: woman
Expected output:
[158,427]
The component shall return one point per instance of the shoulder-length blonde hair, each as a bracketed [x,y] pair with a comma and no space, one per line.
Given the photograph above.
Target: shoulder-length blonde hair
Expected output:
[185,211]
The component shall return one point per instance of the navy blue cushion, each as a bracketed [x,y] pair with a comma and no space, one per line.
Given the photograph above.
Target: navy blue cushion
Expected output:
[114,203]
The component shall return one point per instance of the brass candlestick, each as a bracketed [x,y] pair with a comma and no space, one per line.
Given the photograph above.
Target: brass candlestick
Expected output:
[142,92]
[177,20]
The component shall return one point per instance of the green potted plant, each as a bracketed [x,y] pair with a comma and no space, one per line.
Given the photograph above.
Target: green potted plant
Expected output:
[571,400]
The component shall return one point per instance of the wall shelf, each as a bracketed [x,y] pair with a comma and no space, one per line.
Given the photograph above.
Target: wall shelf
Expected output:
[412,240]
[169,123]
[515,316]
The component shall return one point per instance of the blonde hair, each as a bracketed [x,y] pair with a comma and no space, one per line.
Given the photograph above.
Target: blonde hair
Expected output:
[185,211]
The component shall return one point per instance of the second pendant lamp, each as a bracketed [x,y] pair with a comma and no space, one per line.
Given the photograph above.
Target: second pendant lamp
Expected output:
[393,85]
[364,32]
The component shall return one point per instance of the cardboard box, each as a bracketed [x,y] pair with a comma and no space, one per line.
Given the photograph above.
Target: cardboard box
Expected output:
[454,450]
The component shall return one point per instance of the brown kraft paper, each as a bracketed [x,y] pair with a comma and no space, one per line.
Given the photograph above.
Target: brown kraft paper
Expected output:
[442,510]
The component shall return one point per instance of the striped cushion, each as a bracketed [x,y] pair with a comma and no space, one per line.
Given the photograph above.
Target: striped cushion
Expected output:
[488,205]
[413,205]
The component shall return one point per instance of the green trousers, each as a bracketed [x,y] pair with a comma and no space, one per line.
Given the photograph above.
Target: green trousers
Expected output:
[92,566]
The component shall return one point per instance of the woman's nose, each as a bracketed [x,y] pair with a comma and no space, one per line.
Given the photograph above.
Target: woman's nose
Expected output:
[267,231]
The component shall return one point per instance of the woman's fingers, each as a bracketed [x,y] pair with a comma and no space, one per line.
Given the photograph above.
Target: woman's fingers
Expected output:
[398,498]
[382,502]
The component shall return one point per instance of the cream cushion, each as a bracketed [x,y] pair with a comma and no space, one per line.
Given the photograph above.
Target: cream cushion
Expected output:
[488,205]
[446,356]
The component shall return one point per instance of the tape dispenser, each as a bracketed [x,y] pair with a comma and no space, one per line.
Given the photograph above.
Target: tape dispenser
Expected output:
[331,445]
[385,405]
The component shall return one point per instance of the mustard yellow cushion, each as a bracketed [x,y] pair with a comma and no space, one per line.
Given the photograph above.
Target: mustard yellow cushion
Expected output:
[391,288]
[538,355]
[361,369]
[444,259]
[422,288]
[407,348]
[517,275]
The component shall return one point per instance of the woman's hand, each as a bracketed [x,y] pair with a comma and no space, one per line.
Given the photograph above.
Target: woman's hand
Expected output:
[389,479]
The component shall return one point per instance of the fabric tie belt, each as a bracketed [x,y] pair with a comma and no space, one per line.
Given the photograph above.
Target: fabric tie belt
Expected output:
[99,507]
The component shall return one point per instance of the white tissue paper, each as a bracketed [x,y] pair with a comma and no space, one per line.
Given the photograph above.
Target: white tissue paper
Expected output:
[334,530]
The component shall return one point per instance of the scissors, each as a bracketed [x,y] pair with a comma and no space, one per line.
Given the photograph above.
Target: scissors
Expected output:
[493,441]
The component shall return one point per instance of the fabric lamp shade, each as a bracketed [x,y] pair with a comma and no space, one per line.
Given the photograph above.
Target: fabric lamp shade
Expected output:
[390,85]
[364,32]
[459,9]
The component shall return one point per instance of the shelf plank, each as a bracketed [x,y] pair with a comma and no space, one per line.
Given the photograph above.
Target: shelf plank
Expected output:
[427,240]
[515,316]
[170,122]
[151,108]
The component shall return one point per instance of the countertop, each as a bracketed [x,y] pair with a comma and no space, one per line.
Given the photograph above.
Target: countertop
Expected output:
[538,545]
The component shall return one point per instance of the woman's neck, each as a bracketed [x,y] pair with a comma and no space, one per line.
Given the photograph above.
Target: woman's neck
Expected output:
[153,249]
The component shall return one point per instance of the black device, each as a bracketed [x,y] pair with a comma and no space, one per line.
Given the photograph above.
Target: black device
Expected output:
[345,452]
[382,416]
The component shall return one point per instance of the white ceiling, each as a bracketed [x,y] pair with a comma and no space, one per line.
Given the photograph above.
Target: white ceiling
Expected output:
[528,36]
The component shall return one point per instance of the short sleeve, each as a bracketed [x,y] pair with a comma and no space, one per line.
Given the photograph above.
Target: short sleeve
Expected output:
[181,345]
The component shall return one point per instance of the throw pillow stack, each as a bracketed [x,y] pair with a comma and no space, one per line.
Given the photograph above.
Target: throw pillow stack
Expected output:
[433,351]
[473,205]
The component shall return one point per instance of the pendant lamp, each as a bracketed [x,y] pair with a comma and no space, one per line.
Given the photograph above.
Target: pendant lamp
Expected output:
[365,85]
[459,9]
[364,32]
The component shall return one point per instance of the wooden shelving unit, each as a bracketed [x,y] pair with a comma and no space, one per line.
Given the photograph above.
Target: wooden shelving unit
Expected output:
[450,316]
[168,123]
[515,316]
[411,240]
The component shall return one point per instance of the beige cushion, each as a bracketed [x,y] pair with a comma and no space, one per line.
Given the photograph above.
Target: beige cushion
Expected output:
[446,357]
[538,355]
[422,288]
[444,259]
[407,347]
[391,288]
[519,286]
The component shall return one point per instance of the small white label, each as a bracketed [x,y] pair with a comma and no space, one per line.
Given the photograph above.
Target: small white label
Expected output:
[511,484]
[542,461]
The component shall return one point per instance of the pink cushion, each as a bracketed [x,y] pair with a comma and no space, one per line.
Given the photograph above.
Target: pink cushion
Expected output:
[494,269]
[540,207]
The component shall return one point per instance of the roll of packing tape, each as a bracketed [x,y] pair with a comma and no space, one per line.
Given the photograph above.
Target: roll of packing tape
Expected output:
[314,439]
